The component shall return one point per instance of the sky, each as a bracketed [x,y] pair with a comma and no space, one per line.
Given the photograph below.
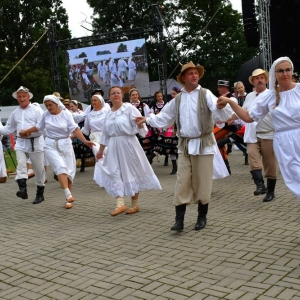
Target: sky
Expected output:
[80,13]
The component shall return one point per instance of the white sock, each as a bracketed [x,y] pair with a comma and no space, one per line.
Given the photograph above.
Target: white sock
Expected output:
[29,171]
[134,203]
[68,193]
[120,202]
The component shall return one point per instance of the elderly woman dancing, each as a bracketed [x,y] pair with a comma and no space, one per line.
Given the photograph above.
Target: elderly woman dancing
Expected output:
[125,170]
[58,124]
[283,101]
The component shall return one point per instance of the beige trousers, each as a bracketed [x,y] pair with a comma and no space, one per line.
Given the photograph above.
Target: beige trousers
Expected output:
[194,179]
[262,154]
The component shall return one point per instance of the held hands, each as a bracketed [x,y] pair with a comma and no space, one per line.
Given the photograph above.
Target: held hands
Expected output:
[23,134]
[89,144]
[222,102]
[99,155]
[139,121]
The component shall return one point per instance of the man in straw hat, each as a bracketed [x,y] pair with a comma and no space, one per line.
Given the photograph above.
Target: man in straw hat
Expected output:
[24,117]
[259,139]
[194,110]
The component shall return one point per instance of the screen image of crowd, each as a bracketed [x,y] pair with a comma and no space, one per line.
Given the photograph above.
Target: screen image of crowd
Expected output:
[93,69]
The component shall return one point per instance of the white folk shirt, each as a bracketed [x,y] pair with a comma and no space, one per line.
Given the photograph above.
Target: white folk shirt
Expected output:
[252,130]
[95,120]
[22,119]
[188,116]
[57,126]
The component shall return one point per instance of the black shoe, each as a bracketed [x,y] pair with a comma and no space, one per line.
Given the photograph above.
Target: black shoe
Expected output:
[38,199]
[260,190]
[201,222]
[178,226]
[22,194]
[39,195]
[269,197]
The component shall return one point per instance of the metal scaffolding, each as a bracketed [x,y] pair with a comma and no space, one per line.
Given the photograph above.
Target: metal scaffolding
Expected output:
[109,37]
[265,33]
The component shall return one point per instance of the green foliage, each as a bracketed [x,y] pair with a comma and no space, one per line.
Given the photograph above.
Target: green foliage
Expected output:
[21,25]
[218,43]
[122,48]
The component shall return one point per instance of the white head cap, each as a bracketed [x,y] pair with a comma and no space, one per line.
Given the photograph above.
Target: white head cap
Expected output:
[55,100]
[272,79]
[100,99]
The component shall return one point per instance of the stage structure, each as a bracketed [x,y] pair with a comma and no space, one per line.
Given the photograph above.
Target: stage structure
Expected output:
[261,38]
[156,30]
[265,33]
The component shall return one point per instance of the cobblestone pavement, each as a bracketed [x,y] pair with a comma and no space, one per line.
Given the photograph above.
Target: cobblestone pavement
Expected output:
[248,250]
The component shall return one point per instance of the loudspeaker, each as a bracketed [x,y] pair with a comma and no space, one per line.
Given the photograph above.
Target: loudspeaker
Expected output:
[250,23]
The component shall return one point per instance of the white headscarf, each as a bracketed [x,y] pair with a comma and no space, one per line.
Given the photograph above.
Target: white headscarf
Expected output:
[100,99]
[55,100]
[272,79]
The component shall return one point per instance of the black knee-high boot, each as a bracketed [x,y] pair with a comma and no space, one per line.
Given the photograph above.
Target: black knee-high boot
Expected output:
[166,163]
[202,212]
[270,190]
[179,218]
[22,193]
[39,195]
[174,169]
[259,181]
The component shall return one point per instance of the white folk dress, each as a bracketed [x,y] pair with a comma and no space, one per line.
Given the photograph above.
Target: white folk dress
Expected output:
[93,126]
[2,160]
[286,120]
[125,169]
[58,144]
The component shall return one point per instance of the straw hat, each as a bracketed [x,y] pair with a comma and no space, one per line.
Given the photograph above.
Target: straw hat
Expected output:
[66,101]
[22,89]
[189,65]
[57,94]
[259,72]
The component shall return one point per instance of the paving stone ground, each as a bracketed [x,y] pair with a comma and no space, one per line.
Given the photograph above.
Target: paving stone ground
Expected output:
[248,250]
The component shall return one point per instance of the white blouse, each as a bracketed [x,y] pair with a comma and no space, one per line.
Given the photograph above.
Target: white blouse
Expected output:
[188,117]
[122,123]
[22,119]
[95,120]
[286,116]
[57,126]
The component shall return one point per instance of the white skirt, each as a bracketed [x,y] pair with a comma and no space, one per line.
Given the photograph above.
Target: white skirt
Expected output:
[287,151]
[125,169]
[219,167]
[60,155]
[2,163]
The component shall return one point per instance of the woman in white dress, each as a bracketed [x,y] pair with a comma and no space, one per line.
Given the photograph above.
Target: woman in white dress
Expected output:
[132,71]
[125,170]
[58,125]
[114,77]
[3,174]
[283,101]
[94,121]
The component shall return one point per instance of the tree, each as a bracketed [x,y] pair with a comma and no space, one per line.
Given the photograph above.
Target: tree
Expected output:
[122,48]
[120,14]
[21,25]
[220,48]
[82,54]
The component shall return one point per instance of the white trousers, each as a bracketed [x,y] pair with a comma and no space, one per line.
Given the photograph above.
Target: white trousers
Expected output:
[37,159]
